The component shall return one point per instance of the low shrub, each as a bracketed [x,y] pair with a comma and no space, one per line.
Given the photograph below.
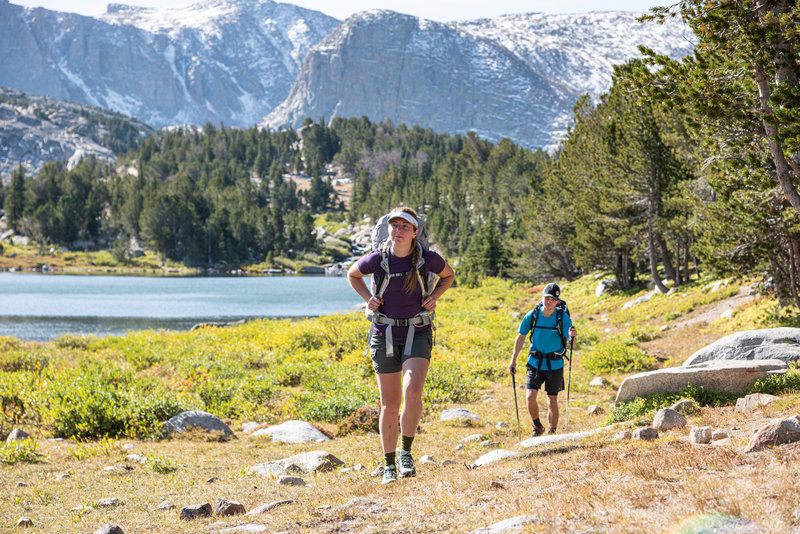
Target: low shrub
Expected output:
[364,419]
[161,464]
[618,354]
[779,384]
[647,406]
[95,406]
[16,451]
[20,360]
[448,382]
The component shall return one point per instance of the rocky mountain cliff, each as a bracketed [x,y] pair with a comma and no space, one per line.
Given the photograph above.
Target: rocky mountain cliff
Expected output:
[516,76]
[217,60]
[37,129]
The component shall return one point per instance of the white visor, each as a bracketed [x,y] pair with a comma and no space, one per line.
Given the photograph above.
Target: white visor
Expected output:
[403,215]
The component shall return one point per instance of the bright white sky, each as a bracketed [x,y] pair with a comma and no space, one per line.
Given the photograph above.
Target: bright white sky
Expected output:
[439,10]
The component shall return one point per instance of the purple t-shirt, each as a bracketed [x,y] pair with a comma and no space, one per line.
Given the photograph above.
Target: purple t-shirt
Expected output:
[398,304]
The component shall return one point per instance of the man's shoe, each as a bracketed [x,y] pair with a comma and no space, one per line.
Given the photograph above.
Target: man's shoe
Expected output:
[389,474]
[537,431]
[405,464]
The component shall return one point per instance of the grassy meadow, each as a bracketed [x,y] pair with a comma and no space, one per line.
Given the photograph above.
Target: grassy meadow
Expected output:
[89,402]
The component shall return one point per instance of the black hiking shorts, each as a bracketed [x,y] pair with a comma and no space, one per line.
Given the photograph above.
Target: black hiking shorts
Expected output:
[421,347]
[553,380]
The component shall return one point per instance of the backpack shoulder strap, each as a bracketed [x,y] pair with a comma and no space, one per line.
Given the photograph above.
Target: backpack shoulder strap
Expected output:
[535,318]
[382,274]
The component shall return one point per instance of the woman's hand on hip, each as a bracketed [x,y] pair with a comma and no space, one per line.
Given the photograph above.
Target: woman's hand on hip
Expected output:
[429,303]
[374,303]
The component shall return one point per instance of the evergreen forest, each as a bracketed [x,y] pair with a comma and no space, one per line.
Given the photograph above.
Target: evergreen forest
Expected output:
[682,166]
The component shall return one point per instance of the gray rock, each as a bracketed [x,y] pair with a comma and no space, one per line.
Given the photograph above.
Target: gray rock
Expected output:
[109,529]
[109,502]
[754,401]
[508,525]
[458,413]
[252,426]
[551,439]
[17,435]
[700,434]
[647,433]
[594,409]
[495,456]
[287,480]
[197,419]
[603,286]
[264,508]
[686,406]
[473,438]
[309,462]
[622,435]
[293,432]
[598,381]
[165,505]
[193,511]
[226,508]
[719,434]
[728,376]
[247,528]
[777,432]
[641,300]
[667,419]
[767,344]
[24,522]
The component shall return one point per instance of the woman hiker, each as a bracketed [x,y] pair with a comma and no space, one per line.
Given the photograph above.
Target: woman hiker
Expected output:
[548,321]
[401,370]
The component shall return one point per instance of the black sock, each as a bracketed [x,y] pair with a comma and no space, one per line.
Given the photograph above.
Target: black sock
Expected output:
[537,423]
[407,441]
[389,458]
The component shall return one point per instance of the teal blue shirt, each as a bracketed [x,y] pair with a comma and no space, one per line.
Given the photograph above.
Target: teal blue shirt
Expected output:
[546,339]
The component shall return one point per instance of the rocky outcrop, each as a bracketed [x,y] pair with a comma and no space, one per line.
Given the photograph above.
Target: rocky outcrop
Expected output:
[728,376]
[767,344]
[35,130]
[515,76]
[218,61]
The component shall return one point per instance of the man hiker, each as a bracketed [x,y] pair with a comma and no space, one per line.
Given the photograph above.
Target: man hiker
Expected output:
[548,323]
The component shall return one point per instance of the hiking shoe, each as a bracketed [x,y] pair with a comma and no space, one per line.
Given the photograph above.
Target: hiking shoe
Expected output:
[389,474]
[406,464]
[537,431]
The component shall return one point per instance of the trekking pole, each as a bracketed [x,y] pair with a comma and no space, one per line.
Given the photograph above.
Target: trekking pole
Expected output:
[516,406]
[569,382]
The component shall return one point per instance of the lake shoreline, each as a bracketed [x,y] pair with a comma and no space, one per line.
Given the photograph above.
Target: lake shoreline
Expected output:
[41,306]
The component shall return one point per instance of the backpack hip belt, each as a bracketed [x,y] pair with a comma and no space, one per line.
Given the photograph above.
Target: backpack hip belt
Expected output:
[421,319]
[546,356]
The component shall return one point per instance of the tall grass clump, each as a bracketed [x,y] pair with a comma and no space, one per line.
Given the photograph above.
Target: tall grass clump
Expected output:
[618,354]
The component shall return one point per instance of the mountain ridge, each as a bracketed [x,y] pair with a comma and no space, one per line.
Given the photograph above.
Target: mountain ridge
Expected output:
[528,69]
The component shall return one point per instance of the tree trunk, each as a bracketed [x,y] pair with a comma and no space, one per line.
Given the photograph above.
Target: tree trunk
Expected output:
[784,168]
[665,257]
[651,246]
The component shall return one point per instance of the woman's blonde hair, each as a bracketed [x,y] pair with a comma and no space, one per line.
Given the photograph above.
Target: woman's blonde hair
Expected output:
[410,283]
